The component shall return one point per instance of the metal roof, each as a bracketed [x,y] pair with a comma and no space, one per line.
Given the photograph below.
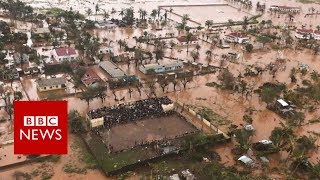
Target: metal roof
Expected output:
[51,82]
[282,102]
[112,69]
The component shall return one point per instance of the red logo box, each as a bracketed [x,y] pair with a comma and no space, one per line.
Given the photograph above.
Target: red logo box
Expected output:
[40,127]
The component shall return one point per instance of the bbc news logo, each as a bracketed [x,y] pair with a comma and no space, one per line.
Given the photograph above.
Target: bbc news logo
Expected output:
[40,127]
[36,134]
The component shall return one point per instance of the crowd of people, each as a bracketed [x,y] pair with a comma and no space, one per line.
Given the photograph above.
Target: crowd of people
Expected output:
[125,113]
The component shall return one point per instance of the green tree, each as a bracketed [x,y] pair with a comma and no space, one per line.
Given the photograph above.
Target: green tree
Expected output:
[76,121]
[208,23]
[264,40]
[249,48]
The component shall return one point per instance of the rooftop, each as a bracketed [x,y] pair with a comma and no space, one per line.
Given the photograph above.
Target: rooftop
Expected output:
[184,38]
[168,64]
[41,30]
[112,69]
[304,31]
[51,82]
[282,102]
[238,35]
[65,51]
[90,77]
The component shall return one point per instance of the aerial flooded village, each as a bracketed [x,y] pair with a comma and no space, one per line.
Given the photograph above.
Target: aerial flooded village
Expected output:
[162,89]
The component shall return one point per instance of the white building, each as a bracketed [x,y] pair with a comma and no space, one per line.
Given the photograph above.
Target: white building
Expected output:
[303,33]
[161,68]
[316,35]
[51,84]
[106,25]
[64,54]
[286,9]
[237,37]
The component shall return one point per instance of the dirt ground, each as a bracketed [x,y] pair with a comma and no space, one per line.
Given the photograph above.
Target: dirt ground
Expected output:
[130,134]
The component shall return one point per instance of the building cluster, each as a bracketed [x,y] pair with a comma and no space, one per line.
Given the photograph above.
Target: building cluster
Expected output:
[285,9]
[307,34]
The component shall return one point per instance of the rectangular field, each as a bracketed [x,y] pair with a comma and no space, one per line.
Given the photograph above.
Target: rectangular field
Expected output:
[128,135]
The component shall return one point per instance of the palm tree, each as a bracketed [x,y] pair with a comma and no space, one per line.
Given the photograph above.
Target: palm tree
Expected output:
[121,13]
[198,47]
[154,14]
[282,137]
[188,38]
[89,12]
[140,13]
[195,55]
[113,11]
[144,14]
[97,8]
[106,15]
[172,44]
[209,56]
[180,27]
[208,23]
[174,82]
[245,23]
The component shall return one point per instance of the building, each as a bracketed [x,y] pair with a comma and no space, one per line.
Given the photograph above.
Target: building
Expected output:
[246,160]
[282,104]
[316,35]
[182,40]
[113,70]
[51,84]
[237,37]
[161,68]
[304,33]
[106,25]
[40,31]
[20,58]
[64,54]
[90,78]
[105,50]
[285,9]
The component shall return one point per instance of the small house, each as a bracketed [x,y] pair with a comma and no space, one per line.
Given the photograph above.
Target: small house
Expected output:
[41,31]
[64,54]
[186,174]
[106,25]
[90,78]
[282,104]
[246,160]
[183,40]
[237,37]
[51,84]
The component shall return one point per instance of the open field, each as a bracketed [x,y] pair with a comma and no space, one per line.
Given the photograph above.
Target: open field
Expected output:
[148,130]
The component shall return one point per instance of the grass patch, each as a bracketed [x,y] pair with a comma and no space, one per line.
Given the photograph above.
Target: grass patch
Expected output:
[54,158]
[84,155]
[211,116]
[110,162]
[70,168]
